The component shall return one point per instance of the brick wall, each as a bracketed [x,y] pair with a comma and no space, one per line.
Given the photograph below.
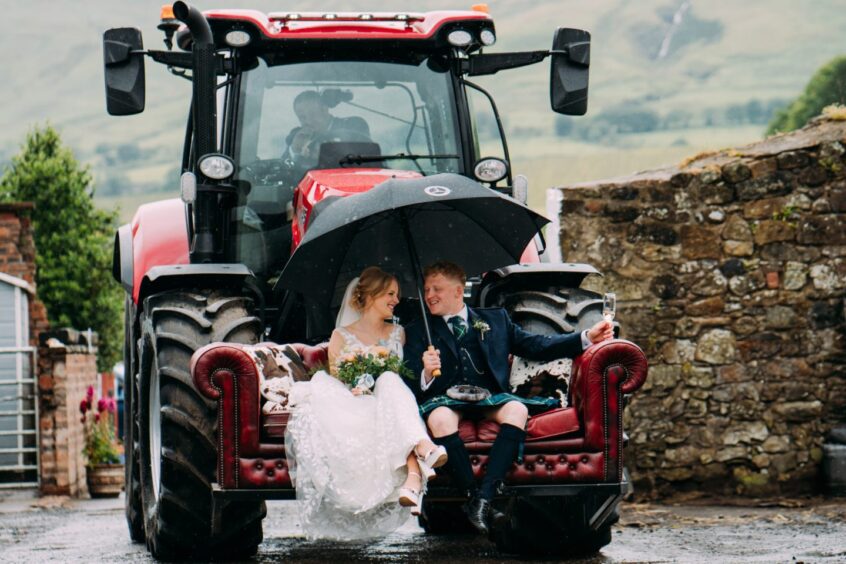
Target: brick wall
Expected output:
[67,366]
[730,271]
[17,258]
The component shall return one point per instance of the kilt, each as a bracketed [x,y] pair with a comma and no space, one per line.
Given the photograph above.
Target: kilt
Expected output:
[535,404]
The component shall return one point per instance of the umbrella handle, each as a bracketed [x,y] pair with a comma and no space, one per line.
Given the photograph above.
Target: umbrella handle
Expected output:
[436,372]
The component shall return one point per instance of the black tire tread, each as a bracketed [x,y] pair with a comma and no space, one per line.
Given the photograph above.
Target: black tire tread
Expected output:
[178,524]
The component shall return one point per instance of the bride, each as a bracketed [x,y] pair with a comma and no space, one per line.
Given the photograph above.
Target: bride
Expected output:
[359,460]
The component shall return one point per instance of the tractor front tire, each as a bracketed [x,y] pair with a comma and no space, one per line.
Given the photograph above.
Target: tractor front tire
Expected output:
[178,427]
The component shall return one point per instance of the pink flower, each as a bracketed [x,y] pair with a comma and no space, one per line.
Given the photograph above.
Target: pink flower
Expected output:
[96,418]
[83,407]
[102,404]
[89,393]
[111,405]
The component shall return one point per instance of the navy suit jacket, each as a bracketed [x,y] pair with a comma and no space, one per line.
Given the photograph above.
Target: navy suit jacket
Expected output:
[503,338]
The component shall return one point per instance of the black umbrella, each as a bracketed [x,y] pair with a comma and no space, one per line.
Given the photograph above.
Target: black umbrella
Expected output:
[403,223]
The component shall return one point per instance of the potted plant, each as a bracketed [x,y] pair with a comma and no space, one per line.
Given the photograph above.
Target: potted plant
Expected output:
[104,471]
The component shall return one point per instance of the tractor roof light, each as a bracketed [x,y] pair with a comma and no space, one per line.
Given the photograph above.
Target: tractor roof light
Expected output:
[459,38]
[490,169]
[481,8]
[237,38]
[217,166]
[166,13]
[487,37]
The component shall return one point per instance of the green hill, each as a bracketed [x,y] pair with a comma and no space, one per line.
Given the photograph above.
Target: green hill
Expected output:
[668,78]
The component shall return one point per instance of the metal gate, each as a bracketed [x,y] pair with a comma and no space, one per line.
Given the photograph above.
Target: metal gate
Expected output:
[18,393]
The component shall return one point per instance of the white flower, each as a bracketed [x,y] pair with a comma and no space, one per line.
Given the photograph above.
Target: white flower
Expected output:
[481,326]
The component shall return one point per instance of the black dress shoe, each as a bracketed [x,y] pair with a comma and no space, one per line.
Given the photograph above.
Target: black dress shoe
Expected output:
[497,519]
[478,512]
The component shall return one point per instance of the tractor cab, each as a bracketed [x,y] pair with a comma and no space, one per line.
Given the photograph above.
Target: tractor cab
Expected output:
[291,108]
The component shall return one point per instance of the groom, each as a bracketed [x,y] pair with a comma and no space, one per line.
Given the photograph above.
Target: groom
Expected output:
[471,346]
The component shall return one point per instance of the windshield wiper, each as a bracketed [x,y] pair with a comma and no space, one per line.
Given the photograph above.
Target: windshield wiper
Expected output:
[359,159]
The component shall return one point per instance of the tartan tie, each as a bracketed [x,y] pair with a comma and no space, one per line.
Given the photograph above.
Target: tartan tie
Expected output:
[458,326]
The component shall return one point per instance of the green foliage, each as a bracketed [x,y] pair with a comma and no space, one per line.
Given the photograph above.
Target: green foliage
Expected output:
[827,86]
[73,240]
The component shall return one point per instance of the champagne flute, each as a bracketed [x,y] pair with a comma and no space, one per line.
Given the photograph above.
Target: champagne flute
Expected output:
[609,306]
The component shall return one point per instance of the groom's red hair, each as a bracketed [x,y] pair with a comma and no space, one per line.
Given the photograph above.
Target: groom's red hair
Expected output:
[447,269]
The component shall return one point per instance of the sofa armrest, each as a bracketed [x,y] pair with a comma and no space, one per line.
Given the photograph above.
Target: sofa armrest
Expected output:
[214,357]
[225,372]
[600,377]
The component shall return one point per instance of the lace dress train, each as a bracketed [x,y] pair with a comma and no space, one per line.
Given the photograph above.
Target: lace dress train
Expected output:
[348,454]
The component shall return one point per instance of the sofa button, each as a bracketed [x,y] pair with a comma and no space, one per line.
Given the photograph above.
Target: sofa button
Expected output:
[549,467]
[474,460]
[269,472]
[584,460]
[571,466]
[280,465]
[540,460]
[259,465]
[530,467]
[562,459]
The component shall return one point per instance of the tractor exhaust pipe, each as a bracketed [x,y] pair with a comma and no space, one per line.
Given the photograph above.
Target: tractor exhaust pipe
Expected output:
[196,22]
[208,213]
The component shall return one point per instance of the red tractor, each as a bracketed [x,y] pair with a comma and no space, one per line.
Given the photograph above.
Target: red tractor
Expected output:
[259,154]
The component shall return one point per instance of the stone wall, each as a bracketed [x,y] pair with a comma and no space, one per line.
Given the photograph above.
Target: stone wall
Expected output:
[730,271]
[67,366]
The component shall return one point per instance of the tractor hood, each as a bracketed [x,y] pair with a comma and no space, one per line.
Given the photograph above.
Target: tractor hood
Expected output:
[318,185]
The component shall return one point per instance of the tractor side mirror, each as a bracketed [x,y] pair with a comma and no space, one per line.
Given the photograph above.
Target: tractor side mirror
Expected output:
[568,83]
[123,65]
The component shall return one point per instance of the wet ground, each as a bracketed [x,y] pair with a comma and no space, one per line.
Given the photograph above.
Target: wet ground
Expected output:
[807,530]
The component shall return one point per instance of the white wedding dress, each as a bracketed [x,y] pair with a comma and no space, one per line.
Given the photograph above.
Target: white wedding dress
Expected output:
[348,453]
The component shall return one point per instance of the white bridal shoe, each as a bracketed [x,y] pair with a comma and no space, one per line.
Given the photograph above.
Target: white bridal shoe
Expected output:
[435,458]
[412,498]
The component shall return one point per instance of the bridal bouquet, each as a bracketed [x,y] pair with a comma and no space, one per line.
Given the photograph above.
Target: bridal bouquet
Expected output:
[360,367]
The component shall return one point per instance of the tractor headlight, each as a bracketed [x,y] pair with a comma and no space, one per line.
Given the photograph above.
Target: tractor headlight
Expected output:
[459,38]
[487,37]
[217,166]
[237,38]
[490,169]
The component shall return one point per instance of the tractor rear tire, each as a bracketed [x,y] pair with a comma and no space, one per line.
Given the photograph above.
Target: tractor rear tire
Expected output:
[567,310]
[178,427]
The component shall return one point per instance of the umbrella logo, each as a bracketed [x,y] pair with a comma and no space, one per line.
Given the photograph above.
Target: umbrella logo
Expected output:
[437,191]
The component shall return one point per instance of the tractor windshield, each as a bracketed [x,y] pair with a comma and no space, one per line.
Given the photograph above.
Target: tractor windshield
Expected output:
[374,108]
[296,117]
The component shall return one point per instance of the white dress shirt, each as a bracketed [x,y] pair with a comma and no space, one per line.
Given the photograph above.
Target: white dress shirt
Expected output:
[424,385]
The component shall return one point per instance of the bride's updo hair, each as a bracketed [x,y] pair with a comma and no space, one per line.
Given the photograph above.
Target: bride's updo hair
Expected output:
[372,283]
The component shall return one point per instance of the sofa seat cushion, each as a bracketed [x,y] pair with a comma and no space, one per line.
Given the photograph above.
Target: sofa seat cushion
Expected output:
[545,426]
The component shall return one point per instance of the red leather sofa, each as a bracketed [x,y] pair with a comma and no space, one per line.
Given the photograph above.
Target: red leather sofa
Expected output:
[579,444]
